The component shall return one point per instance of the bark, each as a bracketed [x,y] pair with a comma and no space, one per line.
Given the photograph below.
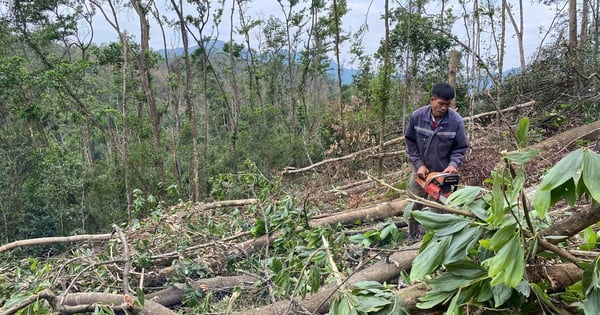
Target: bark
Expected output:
[174,294]
[382,271]
[146,79]
[74,303]
[354,155]
[574,224]
[189,101]
[52,240]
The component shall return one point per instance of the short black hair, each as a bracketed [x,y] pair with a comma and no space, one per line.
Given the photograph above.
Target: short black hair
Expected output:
[443,90]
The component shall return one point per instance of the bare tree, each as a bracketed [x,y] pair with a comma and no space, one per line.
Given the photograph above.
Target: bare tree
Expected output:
[178,6]
[142,10]
[111,18]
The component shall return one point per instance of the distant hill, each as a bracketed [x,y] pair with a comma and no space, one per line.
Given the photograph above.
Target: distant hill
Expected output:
[347,73]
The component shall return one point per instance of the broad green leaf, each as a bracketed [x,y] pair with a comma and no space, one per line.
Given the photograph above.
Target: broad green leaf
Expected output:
[485,292]
[591,304]
[497,200]
[465,195]
[461,243]
[522,157]
[367,284]
[589,237]
[514,273]
[434,298]
[502,236]
[541,202]
[591,173]
[448,282]
[368,304]
[516,187]
[566,191]
[453,306]
[523,131]
[502,261]
[441,223]
[466,269]
[566,168]
[343,307]
[429,259]
[501,294]
[524,288]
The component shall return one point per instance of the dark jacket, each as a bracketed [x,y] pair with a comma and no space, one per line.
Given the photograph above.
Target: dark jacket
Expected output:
[436,149]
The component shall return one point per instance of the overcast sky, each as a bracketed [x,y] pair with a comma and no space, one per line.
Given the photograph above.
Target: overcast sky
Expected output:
[537,18]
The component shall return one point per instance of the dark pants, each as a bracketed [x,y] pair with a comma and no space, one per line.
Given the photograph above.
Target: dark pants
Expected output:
[415,188]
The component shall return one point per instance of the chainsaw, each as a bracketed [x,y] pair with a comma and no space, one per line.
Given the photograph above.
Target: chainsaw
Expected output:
[439,185]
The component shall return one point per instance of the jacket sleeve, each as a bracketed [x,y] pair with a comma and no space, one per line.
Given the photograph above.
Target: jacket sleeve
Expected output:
[459,147]
[412,149]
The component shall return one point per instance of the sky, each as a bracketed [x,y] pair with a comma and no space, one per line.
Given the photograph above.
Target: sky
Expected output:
[536,18]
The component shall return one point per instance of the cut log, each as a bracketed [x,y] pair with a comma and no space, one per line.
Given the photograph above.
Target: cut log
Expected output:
[382,271]
[174,294]
[53,240]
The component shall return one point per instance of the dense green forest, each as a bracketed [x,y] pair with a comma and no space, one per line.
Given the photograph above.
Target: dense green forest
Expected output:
[95,138]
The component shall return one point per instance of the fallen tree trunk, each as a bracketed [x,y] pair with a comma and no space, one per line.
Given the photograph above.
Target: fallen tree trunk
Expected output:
[559,142]
[246,248]
[342,158]
[174,294]
[74,303]
[383,271]
[53,240]
[558,277]
[494,112]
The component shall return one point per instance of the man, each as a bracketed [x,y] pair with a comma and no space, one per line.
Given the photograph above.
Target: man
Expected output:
[435,142]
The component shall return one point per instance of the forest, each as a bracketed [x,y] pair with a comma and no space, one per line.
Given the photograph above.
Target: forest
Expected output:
[247,172]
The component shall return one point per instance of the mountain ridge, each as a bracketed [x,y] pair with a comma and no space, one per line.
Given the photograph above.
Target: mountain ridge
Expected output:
[218,45]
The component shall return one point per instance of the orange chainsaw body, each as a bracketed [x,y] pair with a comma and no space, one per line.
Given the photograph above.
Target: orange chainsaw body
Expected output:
[439,185]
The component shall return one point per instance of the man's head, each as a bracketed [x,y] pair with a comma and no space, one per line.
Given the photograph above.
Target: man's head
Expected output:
[441,97]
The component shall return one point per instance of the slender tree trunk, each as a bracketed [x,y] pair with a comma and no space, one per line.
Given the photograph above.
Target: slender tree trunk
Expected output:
[172,102]
[234,112]
[452,74]
[518,28]
[572,54]
[385,86]
[340,101]
[145,78]
[189,101]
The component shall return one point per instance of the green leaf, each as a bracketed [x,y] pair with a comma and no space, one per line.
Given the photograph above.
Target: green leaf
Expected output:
[591,173]
[502,236]
[501,294]
[541,202]
[566,168]
[523,131]
[368,304]
[522,157]
[466,269]
[461,243]
[589,237]
[140,297]
[434,298]
[465,195]
[429,259]
[453,307]
[498,209]
[448,282]
[591,304]
[441,223]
